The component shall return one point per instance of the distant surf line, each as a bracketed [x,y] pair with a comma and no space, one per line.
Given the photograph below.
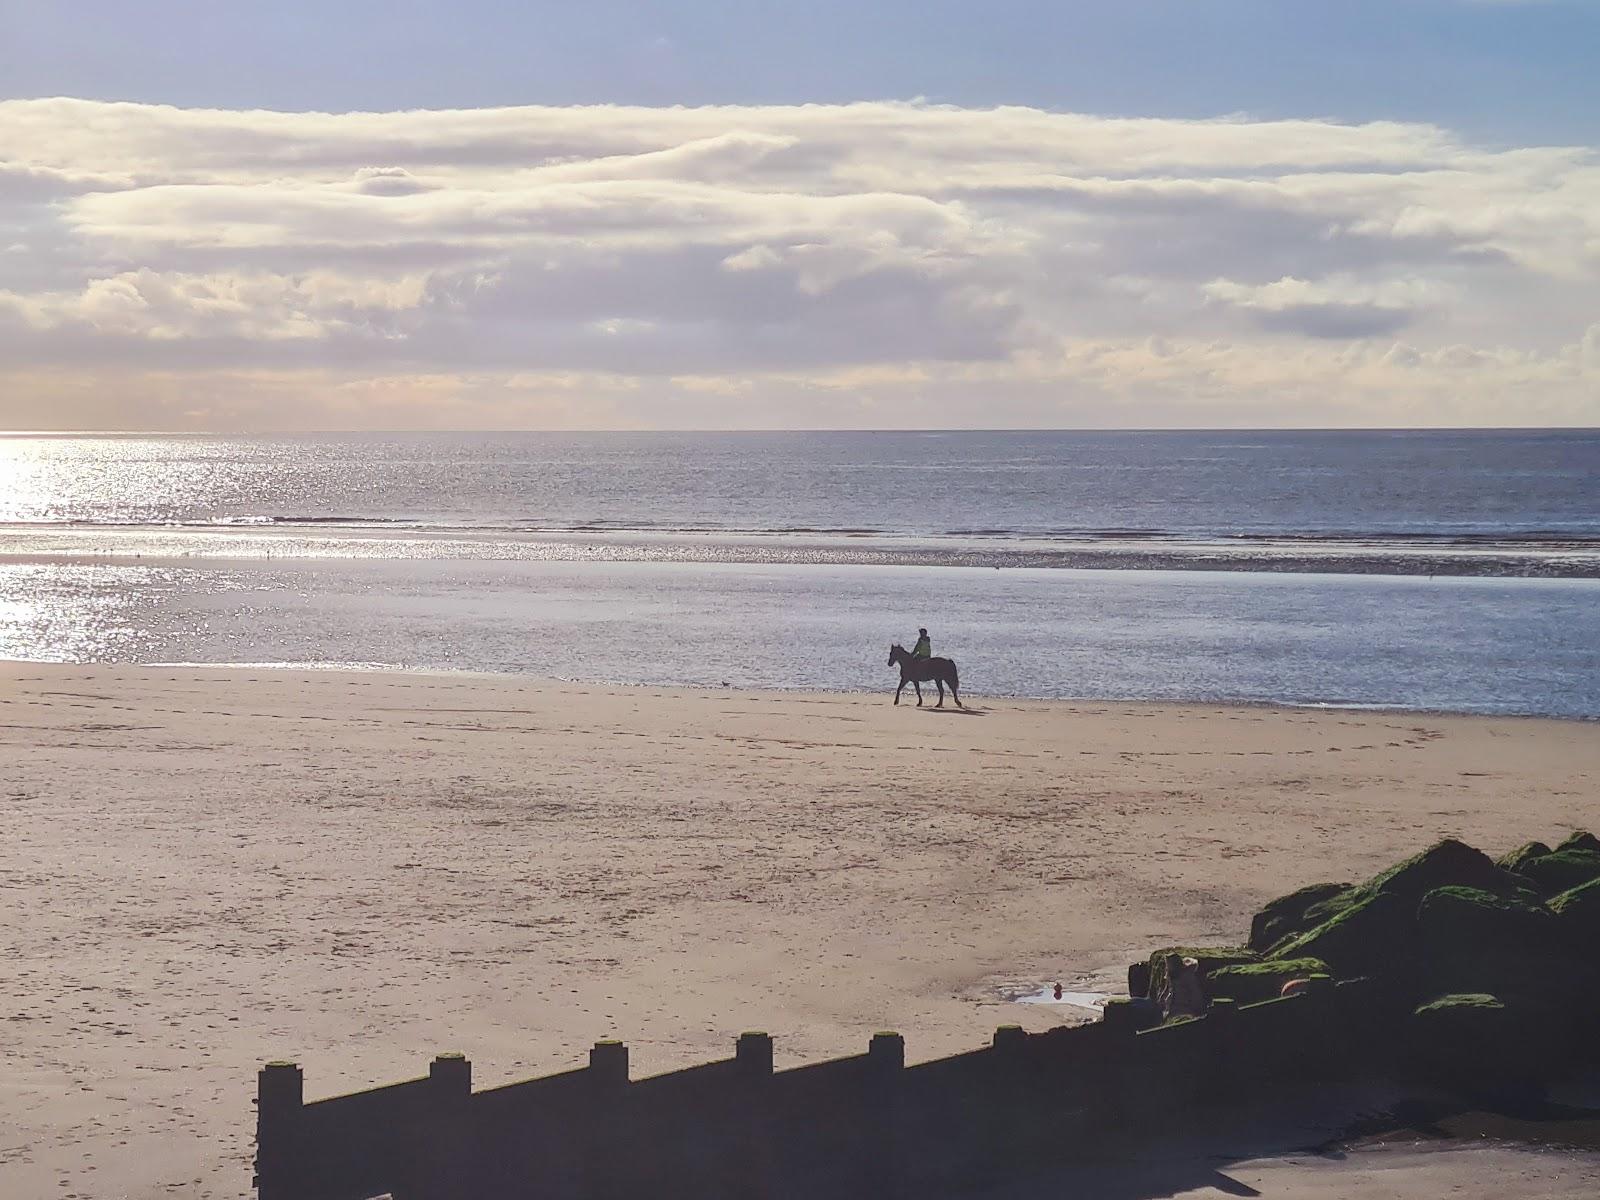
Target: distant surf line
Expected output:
[1401,555]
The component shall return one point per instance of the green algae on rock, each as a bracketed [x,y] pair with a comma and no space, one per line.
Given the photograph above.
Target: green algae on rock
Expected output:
[1562,870]
[1472,939]
[1577,912]
[1459,1000]
[1477,975]
[1442,864]
[1579,839]
[1514,860]
[1374,935]
[1249,982]
[1290,915]
[1209,959]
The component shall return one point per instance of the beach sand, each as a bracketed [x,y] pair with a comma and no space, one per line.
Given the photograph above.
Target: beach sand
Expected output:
[204,869]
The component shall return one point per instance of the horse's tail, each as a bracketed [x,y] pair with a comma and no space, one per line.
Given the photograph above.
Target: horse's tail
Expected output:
[955,678]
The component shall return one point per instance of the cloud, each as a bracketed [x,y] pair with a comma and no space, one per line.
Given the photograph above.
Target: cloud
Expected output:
[174,307]
[733,264]
[1335,308]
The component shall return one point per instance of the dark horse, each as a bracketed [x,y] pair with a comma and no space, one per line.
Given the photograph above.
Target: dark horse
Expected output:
[918,671]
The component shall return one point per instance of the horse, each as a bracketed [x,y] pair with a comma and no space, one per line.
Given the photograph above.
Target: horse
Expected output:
[917,671]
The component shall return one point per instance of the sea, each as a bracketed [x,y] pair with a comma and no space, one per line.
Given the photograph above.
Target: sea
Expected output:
[1427,570]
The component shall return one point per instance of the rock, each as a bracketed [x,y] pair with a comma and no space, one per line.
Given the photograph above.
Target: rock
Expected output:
[1562,870]
[1469,1041]
[1493,1049]
[1578,839]
[1444,864]
[1288,915]
[1455,1003]
[1374,935]
[1577,913]
[1209,958]
[1185,996]
[1513,861]
[1247,983]
[1472,940]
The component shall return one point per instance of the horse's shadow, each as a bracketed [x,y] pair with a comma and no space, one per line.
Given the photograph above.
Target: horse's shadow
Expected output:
[968,711]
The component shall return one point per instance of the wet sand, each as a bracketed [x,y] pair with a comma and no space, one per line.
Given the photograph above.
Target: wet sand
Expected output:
[1410,1171]
[203,869]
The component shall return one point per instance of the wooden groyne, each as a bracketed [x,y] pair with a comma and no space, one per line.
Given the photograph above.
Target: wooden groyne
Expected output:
[862,1125]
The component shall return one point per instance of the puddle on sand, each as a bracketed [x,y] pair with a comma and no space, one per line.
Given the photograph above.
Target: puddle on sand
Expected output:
[1024,994]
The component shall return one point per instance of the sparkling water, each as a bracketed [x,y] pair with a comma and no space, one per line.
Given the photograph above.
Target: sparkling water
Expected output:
[792,560]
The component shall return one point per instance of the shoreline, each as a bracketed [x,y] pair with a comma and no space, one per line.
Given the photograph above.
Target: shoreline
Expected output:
[976,699]
[211,868]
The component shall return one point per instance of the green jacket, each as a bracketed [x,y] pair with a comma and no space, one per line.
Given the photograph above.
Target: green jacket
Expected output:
[923,649]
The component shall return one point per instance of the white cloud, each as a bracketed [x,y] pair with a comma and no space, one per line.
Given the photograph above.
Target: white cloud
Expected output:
[171,306]
[1338,307]
[956,266]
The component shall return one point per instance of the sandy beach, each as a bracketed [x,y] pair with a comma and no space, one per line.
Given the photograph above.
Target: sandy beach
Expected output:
[203,869]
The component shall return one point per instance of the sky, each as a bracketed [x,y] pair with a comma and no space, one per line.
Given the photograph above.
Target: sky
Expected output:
[750,215]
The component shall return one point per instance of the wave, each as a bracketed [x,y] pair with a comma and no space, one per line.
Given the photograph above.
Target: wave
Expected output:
[341,519]
[1368,554]
[1586,535]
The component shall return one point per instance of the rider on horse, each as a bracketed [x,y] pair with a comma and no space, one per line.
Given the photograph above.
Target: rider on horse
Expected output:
[919,666]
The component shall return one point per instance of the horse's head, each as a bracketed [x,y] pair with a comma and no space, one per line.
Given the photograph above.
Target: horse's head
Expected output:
[896,653]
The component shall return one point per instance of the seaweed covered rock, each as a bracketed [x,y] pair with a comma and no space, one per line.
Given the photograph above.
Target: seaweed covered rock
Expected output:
[1209,959]
[1448,863]
[1473,940]
[1504,954]
[1471,1041]
[1577,913]
[1278,929]
[1490,1047]
[1579,839]
[1513,861]
[1375,935]
[1296,913]
[1562,870]
[1247,983]
[1460,1006]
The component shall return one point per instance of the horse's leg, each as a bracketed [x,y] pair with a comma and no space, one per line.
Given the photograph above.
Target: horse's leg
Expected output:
[916,683]
[956,692]
[900,689]
[939,683]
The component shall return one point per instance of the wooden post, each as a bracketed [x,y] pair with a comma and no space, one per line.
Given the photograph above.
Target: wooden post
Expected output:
[280,1095]
[608,1061]
[449,1135]
[751,1169]
[1126,1017]
[887,1051]
[999,1130]
[608,1122]
[753,1052]
[450,1080]
[886,1059]
[1010,1039]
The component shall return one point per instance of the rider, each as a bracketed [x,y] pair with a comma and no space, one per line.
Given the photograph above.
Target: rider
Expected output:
[924,646]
